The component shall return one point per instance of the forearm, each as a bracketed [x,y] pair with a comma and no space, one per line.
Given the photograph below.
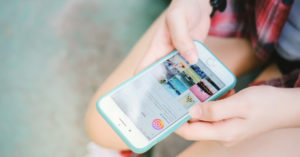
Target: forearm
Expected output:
[289,101]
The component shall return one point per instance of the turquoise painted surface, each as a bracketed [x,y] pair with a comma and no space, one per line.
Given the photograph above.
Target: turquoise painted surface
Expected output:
[53,56]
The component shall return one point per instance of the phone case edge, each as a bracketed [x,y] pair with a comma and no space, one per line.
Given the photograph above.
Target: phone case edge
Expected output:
[163,136]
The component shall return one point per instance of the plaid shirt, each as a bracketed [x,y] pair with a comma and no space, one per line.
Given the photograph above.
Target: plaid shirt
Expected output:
[260,21]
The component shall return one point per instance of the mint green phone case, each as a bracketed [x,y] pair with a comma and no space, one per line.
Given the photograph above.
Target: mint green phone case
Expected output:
[165,134]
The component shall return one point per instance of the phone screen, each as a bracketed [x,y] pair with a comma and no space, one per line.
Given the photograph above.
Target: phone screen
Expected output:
[159,97]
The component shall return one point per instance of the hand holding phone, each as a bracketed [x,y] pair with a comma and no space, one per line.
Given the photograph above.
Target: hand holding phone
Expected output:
[155,102]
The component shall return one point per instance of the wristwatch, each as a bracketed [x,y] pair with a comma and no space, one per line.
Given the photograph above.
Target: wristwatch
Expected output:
[219,5]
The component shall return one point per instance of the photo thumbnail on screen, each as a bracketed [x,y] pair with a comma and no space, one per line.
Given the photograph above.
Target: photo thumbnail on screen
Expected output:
[189,84]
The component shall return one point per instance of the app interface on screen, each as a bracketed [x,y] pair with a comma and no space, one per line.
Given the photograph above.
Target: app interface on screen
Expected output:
[162,95]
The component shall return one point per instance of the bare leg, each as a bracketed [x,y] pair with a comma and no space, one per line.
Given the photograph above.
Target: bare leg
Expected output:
[271,72]
[276,144]
[235,53]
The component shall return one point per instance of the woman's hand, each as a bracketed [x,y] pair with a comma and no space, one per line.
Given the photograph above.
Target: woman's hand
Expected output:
[250,112]
[183,22]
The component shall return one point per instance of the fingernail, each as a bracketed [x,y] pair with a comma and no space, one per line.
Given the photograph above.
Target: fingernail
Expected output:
[192,57]
[196,112]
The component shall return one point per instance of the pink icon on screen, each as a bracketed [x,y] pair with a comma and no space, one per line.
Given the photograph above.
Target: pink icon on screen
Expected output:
[158,124]
[199,93]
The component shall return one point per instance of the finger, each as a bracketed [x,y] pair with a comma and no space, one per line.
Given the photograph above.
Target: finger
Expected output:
[218,110]
[160,45]
[193,120]
[225,130]
[180,36]
[199,131]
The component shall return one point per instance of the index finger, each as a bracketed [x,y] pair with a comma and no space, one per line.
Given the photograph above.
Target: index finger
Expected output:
[159,47]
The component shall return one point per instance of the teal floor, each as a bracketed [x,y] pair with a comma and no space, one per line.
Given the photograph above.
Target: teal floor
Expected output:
[53,56]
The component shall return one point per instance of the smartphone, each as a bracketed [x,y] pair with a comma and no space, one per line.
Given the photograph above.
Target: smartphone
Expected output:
[154,103]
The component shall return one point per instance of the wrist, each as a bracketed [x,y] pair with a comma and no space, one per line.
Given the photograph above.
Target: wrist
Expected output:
[287,100]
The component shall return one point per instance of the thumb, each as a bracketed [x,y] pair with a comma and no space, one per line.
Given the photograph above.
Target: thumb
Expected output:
[180,36]
[217,110]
